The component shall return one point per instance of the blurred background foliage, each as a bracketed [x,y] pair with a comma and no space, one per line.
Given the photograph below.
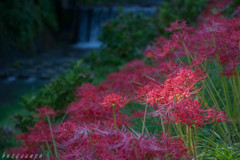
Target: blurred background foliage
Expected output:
[117,2]
[172,10]
[59,93]
[233,9]
[128,34]
[23,20]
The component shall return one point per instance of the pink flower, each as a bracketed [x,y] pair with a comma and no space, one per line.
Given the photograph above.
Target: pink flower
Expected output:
[114,100]
[179,25]
[189,112]
[46,112]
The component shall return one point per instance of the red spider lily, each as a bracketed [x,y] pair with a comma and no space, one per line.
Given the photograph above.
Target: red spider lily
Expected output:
[128,81]
[128,146]
[198,61]
[176,88]
[162,50]
[214,27]
[189,112]
[235,35]
[38,135]
[138,114]
[167,48]
[142,92]
[179,25]
[157,96]
[114,101]
[87,111]
[148,52]
[65,131]
[88,107]
[179,37]
[121,120]
[96,142]
[88,92]
[133,65]
[46,112]
[214,116]
[186,77]
[174,145]
[88,142]
[230,68]
[167,68]
[165,112]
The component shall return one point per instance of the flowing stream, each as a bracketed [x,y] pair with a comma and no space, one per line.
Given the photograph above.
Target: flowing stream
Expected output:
[92,19]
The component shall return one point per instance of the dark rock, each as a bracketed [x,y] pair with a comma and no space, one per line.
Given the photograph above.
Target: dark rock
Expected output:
[3,75]
[11,71]
[23,75]
[38,67]
[44,76]
[31,71]
[47,64]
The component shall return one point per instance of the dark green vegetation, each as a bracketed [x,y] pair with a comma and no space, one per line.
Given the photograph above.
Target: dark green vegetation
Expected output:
[173,10]
[230,9]
[114,2]
[10,109]
[125,36]
[59,93]
[22,20]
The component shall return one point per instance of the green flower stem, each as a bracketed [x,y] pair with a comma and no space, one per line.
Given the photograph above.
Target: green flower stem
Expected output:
[54,143]
[210,140]
[91,142]
[114,117]
[163,128]
[149,77]
[193,144]
[189,57]
[144,119]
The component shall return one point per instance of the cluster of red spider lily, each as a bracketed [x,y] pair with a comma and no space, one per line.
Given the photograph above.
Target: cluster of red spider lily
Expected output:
[95,127]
